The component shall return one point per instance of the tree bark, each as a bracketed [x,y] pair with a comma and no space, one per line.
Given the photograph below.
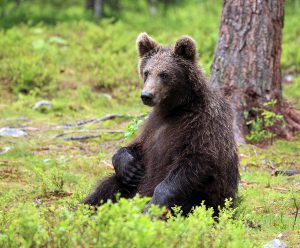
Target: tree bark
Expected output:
[246,64]
[89,4]
[152,7]
[98,8]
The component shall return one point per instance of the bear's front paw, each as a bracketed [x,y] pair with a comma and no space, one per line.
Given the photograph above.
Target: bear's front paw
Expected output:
[163,216]
[121,160]
[127,168]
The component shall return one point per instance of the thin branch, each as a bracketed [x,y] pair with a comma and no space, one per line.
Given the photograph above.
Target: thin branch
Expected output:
[85,131]
[84,137]
[297,212]
[107,164]
[103,118]
[286,172]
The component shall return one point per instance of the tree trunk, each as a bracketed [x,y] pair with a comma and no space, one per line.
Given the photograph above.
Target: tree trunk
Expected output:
[98,8]
[246,64]
[152,7]
[89,4]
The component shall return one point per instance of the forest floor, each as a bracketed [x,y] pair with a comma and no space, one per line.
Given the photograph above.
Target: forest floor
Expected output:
[49,168]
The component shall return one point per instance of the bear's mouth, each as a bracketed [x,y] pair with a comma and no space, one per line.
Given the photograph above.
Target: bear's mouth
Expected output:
[148,102]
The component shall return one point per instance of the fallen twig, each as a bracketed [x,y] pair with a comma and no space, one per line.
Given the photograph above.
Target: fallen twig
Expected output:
[85,131]
[271,165]
[248,165]
[247,183]
[84,137]
[297,211]
[107,164]
[104,118]
[20,119]
[286,172]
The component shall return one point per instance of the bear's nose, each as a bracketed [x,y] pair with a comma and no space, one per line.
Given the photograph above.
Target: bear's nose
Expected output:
[147,98]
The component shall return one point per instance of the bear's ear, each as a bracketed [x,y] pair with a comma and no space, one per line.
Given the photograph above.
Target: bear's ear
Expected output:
[186,48]
[145,44]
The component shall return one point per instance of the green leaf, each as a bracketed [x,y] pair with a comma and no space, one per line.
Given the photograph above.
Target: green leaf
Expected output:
[58,40]
[38,44]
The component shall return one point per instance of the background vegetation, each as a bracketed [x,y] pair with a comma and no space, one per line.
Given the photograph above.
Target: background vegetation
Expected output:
[56,51]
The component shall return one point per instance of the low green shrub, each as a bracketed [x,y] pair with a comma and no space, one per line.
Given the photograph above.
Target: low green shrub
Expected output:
[77,51]
[118,225]
[263,127]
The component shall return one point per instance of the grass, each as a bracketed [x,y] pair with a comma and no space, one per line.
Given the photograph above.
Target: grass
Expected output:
[87,70]
[43,178]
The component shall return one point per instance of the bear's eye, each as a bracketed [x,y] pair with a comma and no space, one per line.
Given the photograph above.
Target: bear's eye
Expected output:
[146,73]
[163,76]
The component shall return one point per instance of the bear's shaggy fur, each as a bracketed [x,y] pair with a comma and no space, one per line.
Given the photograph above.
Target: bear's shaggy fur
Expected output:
[185,152]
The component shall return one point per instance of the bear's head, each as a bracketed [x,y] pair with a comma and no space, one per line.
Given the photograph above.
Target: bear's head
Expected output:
[168,72]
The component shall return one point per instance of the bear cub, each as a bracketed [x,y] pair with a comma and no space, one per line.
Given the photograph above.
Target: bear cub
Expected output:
[185,153]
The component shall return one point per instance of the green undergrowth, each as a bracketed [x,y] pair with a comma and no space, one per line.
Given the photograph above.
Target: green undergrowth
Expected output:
[102,56]
[44,177]
[77,51]
[67,224]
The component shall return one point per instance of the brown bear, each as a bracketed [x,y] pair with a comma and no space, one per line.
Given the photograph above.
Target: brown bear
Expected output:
[185,152]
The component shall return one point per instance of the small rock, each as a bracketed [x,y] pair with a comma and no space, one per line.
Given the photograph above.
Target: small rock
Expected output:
[289,78]
[46,161]
[108,96]
[5,149]
[37,202]
[41,104]
[12,132]
[243,155]
[18,119]
[31,129]
[282,235]
[276,243]
[297,183]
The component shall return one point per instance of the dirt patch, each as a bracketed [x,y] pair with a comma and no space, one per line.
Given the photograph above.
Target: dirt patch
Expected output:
[11,174]
[49,197]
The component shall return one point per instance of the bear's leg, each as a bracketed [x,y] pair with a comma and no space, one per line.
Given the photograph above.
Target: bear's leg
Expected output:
[180,184]
[107,190]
